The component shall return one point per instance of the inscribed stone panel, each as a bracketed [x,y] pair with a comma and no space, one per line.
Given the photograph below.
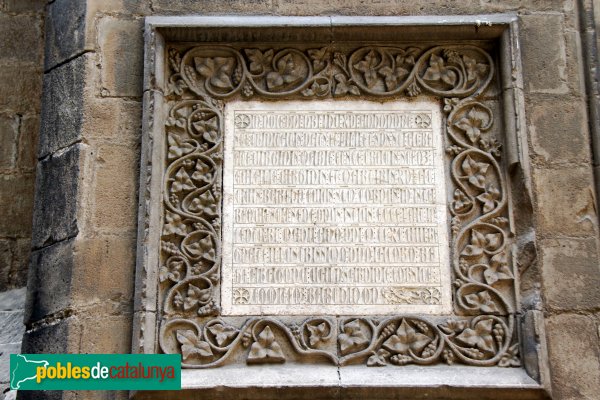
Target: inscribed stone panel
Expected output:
[334,208]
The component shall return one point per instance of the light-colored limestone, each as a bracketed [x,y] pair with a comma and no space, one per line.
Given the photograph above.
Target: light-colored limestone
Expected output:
[334,208]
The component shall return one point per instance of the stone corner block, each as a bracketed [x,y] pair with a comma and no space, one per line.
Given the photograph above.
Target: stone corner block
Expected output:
[62,106]
[12,326]
[571,274]
[58,337]
[544,65]
[55,206]
[565,201]
[49,281]
[16,197]
[573,350]
[122,39]
[65,31]
[559,130]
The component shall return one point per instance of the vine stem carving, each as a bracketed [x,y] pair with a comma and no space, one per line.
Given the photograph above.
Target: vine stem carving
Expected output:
[482,330]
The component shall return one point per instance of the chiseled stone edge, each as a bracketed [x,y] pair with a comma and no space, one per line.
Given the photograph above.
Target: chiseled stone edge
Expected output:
[513,113]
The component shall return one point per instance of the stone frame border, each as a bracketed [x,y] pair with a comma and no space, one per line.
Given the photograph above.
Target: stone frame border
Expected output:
[508,382]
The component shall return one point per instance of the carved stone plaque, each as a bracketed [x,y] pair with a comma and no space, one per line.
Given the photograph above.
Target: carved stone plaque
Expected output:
[345,204]
[334,208]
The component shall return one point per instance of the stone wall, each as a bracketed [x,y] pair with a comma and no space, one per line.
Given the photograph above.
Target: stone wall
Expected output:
[80,296]
[21,55]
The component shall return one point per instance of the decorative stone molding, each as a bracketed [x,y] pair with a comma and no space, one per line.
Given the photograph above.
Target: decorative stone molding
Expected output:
[180,255]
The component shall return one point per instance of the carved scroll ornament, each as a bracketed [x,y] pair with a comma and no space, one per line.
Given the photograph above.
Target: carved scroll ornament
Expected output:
[482,330]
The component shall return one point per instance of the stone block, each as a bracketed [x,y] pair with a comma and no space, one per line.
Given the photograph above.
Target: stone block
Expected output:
[16,202]
[45,395]
[18,6]
[13,300]
[12,326]
[62,109]
[115,192]
[57,187]
[559,131]
[544,55]
[28,142]
[375,7]
[122,45]
[20,262]
[5,351]
[575,63]
[6,392]
[114,119]
[99,261]
[65,31]
[62,336]
[119,6]
[9,130]
[49,281]
[571,274]
[5,264]
[20,88]
[574,356]
[565,201]
[205,7]
[21,38]
[14,262]
[106,334]
[533,5]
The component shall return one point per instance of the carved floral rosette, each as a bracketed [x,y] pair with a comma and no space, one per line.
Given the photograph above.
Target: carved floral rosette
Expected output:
[481,331]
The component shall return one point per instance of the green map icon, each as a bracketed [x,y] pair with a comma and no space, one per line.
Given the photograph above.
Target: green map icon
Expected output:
[23,369]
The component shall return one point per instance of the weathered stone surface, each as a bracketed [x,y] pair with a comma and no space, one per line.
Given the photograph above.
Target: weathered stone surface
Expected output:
[543,43]
[258,175]
[192,6]
[62,336]
[114,119]
[5,263]
[49,281]
[574,356]
[121,40]
[118,7]
[20,264]
[20,88]
[62,106]
[16,198]
[28,142]
[9,128]
[565,204]
[47,395]
[566,201]
[65,31]
[12,326]
[6,349]
[98,262]
[57,185]
[14,261]
[98,334]
[13,300]
[571,274]
[117,167]
[18,44]
[25,6]
[575,63]
[557,128]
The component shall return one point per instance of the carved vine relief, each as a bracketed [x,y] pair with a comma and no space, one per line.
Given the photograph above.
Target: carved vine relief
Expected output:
[482,330]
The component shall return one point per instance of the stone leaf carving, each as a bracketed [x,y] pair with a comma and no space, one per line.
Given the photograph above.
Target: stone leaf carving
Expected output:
[265,349]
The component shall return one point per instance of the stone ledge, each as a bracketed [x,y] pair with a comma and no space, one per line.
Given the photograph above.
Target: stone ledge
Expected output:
[322,382]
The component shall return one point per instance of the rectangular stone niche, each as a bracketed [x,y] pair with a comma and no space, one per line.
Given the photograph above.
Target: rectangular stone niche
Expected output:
[321,196]
[334,208]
